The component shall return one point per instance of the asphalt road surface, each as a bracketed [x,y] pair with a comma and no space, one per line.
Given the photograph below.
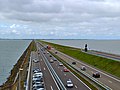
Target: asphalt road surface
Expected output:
[49,82]
[64,76]
[105,55]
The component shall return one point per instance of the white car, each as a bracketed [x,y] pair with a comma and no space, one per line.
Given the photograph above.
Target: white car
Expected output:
[35,60]
[39,74]
[69,84]
[60,64]
[51,61]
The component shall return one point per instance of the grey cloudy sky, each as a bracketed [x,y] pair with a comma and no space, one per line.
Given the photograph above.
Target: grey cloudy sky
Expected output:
[60,19]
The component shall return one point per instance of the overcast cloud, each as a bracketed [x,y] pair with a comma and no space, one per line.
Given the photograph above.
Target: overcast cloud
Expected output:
[63,19]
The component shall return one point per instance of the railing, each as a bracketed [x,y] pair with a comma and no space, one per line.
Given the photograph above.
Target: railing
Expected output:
[59,82]
[28,75]
[91,78]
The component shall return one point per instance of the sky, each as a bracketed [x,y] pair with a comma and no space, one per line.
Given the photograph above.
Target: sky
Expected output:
[60,19]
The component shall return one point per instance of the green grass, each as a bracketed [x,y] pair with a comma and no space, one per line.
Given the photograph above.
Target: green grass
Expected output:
[108,65]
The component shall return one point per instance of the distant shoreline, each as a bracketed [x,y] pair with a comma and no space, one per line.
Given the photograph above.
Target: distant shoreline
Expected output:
[58,39]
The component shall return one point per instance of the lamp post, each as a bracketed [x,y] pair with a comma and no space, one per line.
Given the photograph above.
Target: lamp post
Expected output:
[20,78]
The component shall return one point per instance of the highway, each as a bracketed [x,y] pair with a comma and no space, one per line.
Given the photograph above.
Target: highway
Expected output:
[105,78]
[64,76]
[49,81]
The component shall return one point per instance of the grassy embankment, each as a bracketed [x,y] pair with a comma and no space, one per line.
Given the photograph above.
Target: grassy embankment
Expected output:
[108,65]
[21,63]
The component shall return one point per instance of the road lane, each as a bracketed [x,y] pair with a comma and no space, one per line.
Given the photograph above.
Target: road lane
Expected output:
[49,81]
[47,78]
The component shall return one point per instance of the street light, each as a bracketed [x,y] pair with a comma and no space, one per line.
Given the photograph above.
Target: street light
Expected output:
[20,78]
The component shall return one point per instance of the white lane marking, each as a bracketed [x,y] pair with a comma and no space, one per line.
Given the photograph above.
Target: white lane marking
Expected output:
[75,86]
[109,81]
[41,59]
[65,74]
[51,87]
[44,68]
[61,70]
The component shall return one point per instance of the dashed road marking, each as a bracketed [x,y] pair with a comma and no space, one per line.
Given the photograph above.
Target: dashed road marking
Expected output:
[41,59]
[51,87]
[75,86]
[109,81]
[44,68]
[61,70]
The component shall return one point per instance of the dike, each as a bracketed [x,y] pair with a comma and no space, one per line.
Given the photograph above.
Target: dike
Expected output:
[12,82]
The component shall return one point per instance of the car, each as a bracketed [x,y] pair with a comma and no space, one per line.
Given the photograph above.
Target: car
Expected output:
[83,68]
[60,64]
[69,83]
[37,78]
[51,61]
[38,74]
[96,75]
[38,87]
[73,63]
[36,70]
[55,52]
[35,60]
[55,59]
[50,55]
[66,70]
[38,83]
[47,52]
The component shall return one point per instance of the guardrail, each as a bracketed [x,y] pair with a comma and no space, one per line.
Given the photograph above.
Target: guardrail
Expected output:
[28,75]
[91,78]
[59,82]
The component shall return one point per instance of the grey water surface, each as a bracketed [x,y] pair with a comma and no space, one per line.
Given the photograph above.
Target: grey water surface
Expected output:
[10,51]
[110,46]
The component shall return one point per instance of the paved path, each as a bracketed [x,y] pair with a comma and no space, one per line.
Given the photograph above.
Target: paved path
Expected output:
[105,55]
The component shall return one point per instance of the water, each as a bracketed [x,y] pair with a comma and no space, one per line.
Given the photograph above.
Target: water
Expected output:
[110,46]
[10,51]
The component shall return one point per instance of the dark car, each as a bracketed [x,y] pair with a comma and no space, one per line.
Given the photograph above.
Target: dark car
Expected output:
[55,52]
[96,75]
[50,55]
[73,63]
[83,68]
